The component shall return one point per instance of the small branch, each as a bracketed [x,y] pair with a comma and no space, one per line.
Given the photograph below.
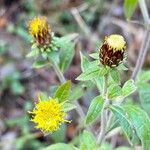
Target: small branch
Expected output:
[142,54]
[80,21]
[144,11]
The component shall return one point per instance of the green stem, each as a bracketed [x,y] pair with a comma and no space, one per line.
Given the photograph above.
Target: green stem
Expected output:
[58,72]
[143,50]
[62,80]
[103,113]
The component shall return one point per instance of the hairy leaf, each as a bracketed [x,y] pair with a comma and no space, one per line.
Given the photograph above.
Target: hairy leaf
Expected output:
[40,63]
[141,123]
[123,120]
[88,141]
[68,106]
[114,73]
[128,88]
[114,91]
[84,62]
[92,73]
[94,55]
[144,76]
[80,89]
[144,92]
[66,53]
[94,109]
[59,146]
[62,93]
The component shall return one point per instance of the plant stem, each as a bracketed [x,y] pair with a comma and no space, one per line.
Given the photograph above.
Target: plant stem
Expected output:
[62,80]
[109,120]
[146,41]
[142,54]
[144,11]
[80,21]
[103,113]
[58,72]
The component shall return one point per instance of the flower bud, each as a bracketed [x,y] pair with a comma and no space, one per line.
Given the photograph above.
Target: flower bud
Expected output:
[112,50]
[40,30]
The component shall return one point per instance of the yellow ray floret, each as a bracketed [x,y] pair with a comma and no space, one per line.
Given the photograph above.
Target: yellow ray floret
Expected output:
[48,115]
[39,28]
[115,42]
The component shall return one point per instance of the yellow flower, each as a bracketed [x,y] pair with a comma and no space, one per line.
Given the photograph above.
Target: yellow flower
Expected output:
[48,115]
[40,30]
[112,50]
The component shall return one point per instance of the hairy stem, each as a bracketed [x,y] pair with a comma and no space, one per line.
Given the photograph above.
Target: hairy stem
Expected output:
[58,73]
[103,113]
[62,80]
[142,54]
[146,40]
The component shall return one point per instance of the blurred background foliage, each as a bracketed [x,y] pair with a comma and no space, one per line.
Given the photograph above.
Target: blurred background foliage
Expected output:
[20,83]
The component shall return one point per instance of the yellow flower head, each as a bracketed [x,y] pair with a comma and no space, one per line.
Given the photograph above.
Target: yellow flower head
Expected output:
[112,50]
[115,42]
[48,115]
[40,30]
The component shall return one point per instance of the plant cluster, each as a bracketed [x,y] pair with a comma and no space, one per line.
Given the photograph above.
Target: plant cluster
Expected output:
[102,69]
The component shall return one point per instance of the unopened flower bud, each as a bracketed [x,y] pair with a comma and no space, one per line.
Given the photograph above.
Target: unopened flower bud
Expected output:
[112,50]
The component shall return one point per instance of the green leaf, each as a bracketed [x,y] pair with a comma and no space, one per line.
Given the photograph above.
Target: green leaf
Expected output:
[123,148]
[33,53]
[94,109]
[141,123]
[53,56]
[79,90]
[106,146]
[17,87]
[114,73]
[88,141]
[59,146]
[23,33]
[123,120]
[144,93]
[129,7]
[42,96]
[128,88]
[115,124]
[59,135]
[92,73]
[122,67]
[144,76]
[114,91]
[99,83]
[68,106]
[84,62]
[94,55]
[62,93]
[66,53]
[40,63]
[20,121]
